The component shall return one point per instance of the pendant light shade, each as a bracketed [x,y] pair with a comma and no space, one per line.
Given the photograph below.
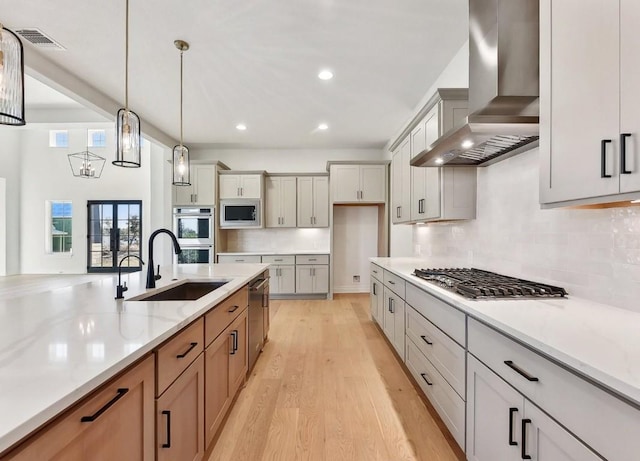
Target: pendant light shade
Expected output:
[11,79]
[181,163]
[127,121]
[86,164]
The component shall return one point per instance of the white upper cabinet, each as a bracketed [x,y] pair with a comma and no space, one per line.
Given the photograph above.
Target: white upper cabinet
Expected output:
[202,190]
[401,183]
[352,183]
[240,186]
[589,100]
[313,201]
[443,193]
[280,201]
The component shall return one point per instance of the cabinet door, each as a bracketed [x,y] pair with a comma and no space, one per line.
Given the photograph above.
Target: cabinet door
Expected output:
[304,279]
[180,416]
[305,201]
[396,185]
[229,186]
[320,279]
[376,300]
[418,193]
[321,201]
[418,139]
[399,326]
[217,392]
[273,202]
[583,99]
[203,179]
[287,279]
[288,201]
[630,93]
[546,440]
[183,195]
[387,309]
[494,415]
[432,207]
[250,186]
[432,125]
[345,183]
[124,431]
[239,358]
[373,183]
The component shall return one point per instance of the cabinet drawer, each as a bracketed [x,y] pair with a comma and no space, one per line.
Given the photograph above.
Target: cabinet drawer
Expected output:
[395,283]
[606,423]
[376,272]
[312,259]
[174,356]
[218,318]
[444,353]
[445,400]
[239,259]
[446,317]
[288,259]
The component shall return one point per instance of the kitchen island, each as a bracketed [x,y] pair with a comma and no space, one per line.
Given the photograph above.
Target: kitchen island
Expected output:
[66,336]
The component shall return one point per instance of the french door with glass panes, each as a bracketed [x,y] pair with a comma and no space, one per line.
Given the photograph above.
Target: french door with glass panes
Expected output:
[114,231]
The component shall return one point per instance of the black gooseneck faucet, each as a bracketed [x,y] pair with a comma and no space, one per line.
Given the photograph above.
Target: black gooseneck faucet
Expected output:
[151,277]
[120,289]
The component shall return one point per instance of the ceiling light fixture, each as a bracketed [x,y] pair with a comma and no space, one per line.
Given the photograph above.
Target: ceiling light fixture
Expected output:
[181,167]
[241,127]
[11,79]
[325,75]
[323,126]
[86,164]
[127,121]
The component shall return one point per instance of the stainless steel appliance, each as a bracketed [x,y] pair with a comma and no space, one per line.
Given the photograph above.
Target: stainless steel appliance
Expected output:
[194,229]
[258,302]
[240,213]
[480,284]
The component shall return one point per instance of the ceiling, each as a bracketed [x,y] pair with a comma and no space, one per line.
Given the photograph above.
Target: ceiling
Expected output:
[256,62]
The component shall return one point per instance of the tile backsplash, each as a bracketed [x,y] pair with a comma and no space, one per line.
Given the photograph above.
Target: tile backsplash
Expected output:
[592,253]
[281,240]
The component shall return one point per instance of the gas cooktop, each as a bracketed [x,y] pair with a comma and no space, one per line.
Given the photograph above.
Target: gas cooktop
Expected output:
[480,284]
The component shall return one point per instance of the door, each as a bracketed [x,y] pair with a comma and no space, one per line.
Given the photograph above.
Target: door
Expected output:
[376,301]
[396,185]
[217,391]
[320,279]
[183,195]
[373,183]
[494,414]
[114,231]
[304,279]
[283,280]
[389,318]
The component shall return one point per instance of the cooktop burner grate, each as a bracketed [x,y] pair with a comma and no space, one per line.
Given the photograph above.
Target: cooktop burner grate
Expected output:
[480,284]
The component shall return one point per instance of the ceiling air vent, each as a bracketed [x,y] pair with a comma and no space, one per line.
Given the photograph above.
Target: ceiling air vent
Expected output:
[39,39]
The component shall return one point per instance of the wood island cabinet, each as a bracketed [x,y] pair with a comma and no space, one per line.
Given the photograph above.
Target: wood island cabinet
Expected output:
[114,423]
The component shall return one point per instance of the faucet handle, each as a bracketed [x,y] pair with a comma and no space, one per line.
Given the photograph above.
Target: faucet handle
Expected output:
[157,276]
[124,286]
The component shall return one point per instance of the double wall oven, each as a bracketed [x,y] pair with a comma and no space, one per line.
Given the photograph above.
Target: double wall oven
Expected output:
[194,228]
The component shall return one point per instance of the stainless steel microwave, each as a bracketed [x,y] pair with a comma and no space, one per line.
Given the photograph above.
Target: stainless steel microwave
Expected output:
[240,213]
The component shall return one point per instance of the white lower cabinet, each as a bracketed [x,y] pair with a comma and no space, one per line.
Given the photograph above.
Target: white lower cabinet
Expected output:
[503,425]
[393,323]
[377,301]
[283,279]
[311,279]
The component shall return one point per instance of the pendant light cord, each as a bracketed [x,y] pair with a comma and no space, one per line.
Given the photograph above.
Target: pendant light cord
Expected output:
[126,61]
[181,52]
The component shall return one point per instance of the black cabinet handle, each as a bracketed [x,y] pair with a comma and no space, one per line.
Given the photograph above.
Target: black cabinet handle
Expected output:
[119,394]
[424,376]
[398,212]
[234,342]
[374,290]
[511,412]
[623,153]
[391,303]
[168,444]
[524,439]
[520,371]
[424,338]
[391,282]
[184,354]
[235,308]
[603,158]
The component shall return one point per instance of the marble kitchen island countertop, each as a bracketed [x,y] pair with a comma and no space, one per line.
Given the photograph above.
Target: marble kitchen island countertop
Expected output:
[597,341]
[69,335]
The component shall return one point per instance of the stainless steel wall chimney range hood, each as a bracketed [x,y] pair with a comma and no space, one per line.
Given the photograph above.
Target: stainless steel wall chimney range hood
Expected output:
[503,87]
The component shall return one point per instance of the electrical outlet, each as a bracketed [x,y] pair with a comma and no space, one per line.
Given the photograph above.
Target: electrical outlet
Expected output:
[356,278]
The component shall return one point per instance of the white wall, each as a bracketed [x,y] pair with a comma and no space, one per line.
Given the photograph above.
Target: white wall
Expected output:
[3,226]
[355,240]
[10,161]
[285,160]
[282,240]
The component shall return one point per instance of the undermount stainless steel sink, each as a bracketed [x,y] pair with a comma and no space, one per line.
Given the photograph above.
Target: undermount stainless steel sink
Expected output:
[188,291]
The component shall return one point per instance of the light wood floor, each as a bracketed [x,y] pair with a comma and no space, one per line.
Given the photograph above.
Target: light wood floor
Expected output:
[327,387]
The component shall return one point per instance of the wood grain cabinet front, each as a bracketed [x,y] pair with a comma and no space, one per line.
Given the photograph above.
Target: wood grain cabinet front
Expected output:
[218,318]
[114,423]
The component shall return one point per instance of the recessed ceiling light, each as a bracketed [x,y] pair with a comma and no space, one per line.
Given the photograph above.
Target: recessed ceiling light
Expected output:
[323,126]
[325,75]
[467,143]
[439,161]
[241,127]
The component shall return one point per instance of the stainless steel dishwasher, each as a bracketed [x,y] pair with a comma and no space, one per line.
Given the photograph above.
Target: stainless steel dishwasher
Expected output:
[258,302]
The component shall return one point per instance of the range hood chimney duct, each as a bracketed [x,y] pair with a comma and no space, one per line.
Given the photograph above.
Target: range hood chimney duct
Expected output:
[503,87]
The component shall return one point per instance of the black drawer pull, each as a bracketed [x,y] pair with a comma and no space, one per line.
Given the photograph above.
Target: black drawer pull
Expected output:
[391,282]
[277,260]
[313,259]
[168,444]
[524,439]
[96,415]
[511,412]
[184,354]
[520,371]
[374,289]
[424,338]
[623,153]
[235,308]
[234,342]
[603,158]
[424,376]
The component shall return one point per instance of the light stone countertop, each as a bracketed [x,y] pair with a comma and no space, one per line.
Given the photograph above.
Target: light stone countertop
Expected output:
[597,341]
[274,253]
[61,337]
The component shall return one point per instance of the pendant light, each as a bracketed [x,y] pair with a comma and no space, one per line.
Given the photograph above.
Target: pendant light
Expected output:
[11,79]
[181,167]
[127,122]
[86,164]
